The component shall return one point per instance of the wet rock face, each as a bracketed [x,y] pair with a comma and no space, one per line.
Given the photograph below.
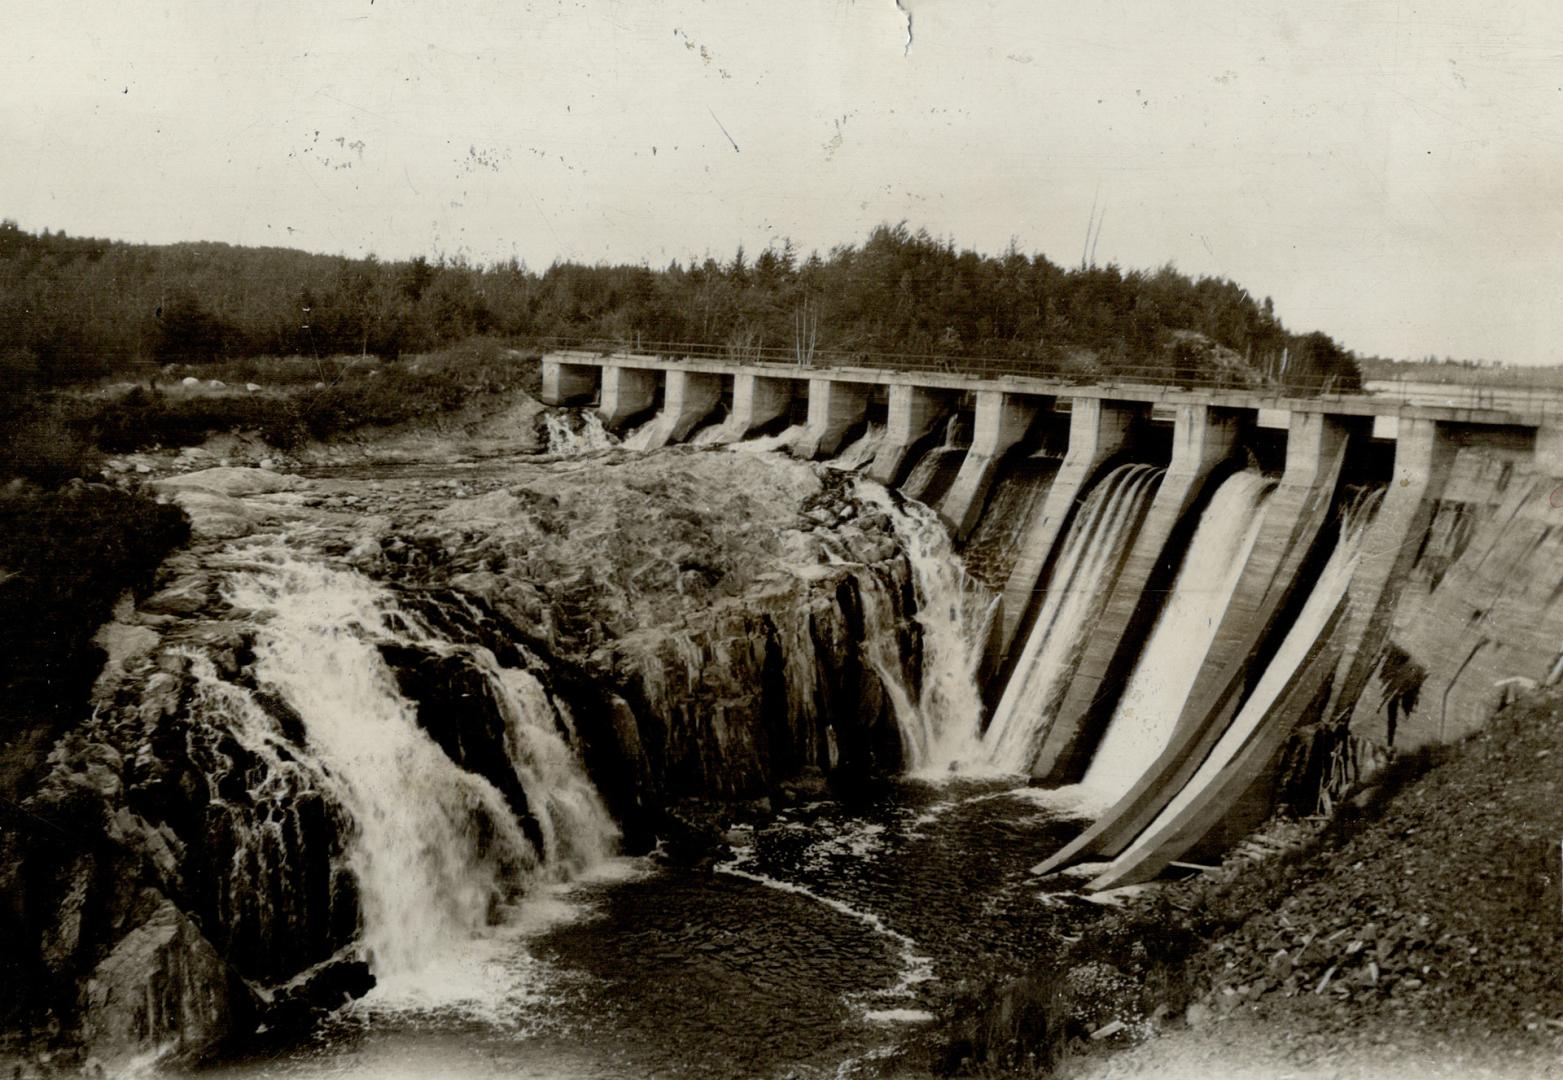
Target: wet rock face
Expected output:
[170,874]
[699,620]
[162,985]
[715,599]
[456,707]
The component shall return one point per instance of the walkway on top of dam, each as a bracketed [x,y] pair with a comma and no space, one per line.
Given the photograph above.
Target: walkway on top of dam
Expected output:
[1519,407]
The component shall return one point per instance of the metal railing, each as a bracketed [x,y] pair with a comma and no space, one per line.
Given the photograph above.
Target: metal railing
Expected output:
[985,367]
[1530,401]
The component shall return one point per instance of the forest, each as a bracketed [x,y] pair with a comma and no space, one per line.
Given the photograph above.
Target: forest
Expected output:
[75,309]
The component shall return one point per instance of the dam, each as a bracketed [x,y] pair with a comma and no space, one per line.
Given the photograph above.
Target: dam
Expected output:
[1325,508]
[721,719]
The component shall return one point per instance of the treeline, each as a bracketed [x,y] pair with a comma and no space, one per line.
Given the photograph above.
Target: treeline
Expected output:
[74,309]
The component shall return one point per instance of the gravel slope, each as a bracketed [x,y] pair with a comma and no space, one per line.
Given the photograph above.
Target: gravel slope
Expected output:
[1429,943]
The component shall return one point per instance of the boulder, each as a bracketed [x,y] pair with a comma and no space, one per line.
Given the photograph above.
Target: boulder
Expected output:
[232,481]
[162,991]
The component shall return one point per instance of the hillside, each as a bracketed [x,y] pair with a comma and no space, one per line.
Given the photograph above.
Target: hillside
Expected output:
[74,308]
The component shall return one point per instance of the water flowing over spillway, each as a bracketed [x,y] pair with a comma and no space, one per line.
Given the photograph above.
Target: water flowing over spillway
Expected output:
[1324,600]
[1169,663]
[710,435]
[861,450]
[438,851]
[931,477]
[640,438]
[1078,586]
[766,443]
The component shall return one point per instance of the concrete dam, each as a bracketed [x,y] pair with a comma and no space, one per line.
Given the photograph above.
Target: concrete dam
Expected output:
[1203,600]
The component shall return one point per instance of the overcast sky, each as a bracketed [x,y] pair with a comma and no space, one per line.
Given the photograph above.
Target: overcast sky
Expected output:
[1390,171]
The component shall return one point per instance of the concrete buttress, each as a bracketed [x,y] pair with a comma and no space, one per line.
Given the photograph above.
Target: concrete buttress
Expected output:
[913,412]
[757,401]
[688,398]
[568,384]
[1001,421]
[627,393]
[1423,456]
[834,409]
[1202,438]
[1097,430]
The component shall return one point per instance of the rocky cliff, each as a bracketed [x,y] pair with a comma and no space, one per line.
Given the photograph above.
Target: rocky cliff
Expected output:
[694,622]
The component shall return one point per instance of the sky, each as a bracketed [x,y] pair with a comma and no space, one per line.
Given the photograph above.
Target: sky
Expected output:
[1389,171]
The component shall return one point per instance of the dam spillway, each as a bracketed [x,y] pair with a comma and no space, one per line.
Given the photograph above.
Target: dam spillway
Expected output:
[1084,573]
[792,671]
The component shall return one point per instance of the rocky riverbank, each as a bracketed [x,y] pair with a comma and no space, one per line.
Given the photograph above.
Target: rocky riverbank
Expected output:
[695,620]
[1414,934]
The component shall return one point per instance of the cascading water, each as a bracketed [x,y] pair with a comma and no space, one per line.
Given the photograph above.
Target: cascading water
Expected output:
[570,434]
[766,443]
[1171,659]
[861,451]
[1329,591]
[437,851]
[640,438]
[940,731]
[935,471]
[1086,568]
[710,435]
[1016,496]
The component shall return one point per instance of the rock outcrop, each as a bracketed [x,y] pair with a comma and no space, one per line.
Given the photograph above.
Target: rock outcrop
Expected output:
[697,620]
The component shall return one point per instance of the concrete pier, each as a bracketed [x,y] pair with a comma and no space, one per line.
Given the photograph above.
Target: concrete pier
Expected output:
[834,409]
[757,401]
[1295,512]
[627,393]
[565,383]
[1549,449]
[688,398]
[1424,454]
[1202,438]
[1097,430]
[1001,421]
[913,412]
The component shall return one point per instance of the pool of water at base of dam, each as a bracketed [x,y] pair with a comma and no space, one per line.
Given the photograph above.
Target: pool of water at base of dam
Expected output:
[818,948]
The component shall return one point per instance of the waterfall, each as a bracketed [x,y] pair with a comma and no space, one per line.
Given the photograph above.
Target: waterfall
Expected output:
[1329,590]
[861,451]
[438,852]
[585,436]
[1082,577]
[941,729]
[1166,669]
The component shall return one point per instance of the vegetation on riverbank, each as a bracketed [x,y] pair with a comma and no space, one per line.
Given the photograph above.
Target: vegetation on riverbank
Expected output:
[66,556]
[53,435]
[75,308]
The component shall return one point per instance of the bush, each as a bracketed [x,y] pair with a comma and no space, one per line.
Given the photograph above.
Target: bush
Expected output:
[39,445]
[359,393]
[65,558]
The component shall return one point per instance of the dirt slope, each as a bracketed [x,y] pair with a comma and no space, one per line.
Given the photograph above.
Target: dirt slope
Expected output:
[1428,942]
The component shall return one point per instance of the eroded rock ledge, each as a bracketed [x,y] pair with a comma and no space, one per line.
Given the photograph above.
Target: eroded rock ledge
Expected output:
[699,615]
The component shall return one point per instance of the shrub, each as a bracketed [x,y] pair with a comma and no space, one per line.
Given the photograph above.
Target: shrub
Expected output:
[39,445]
[65,558]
